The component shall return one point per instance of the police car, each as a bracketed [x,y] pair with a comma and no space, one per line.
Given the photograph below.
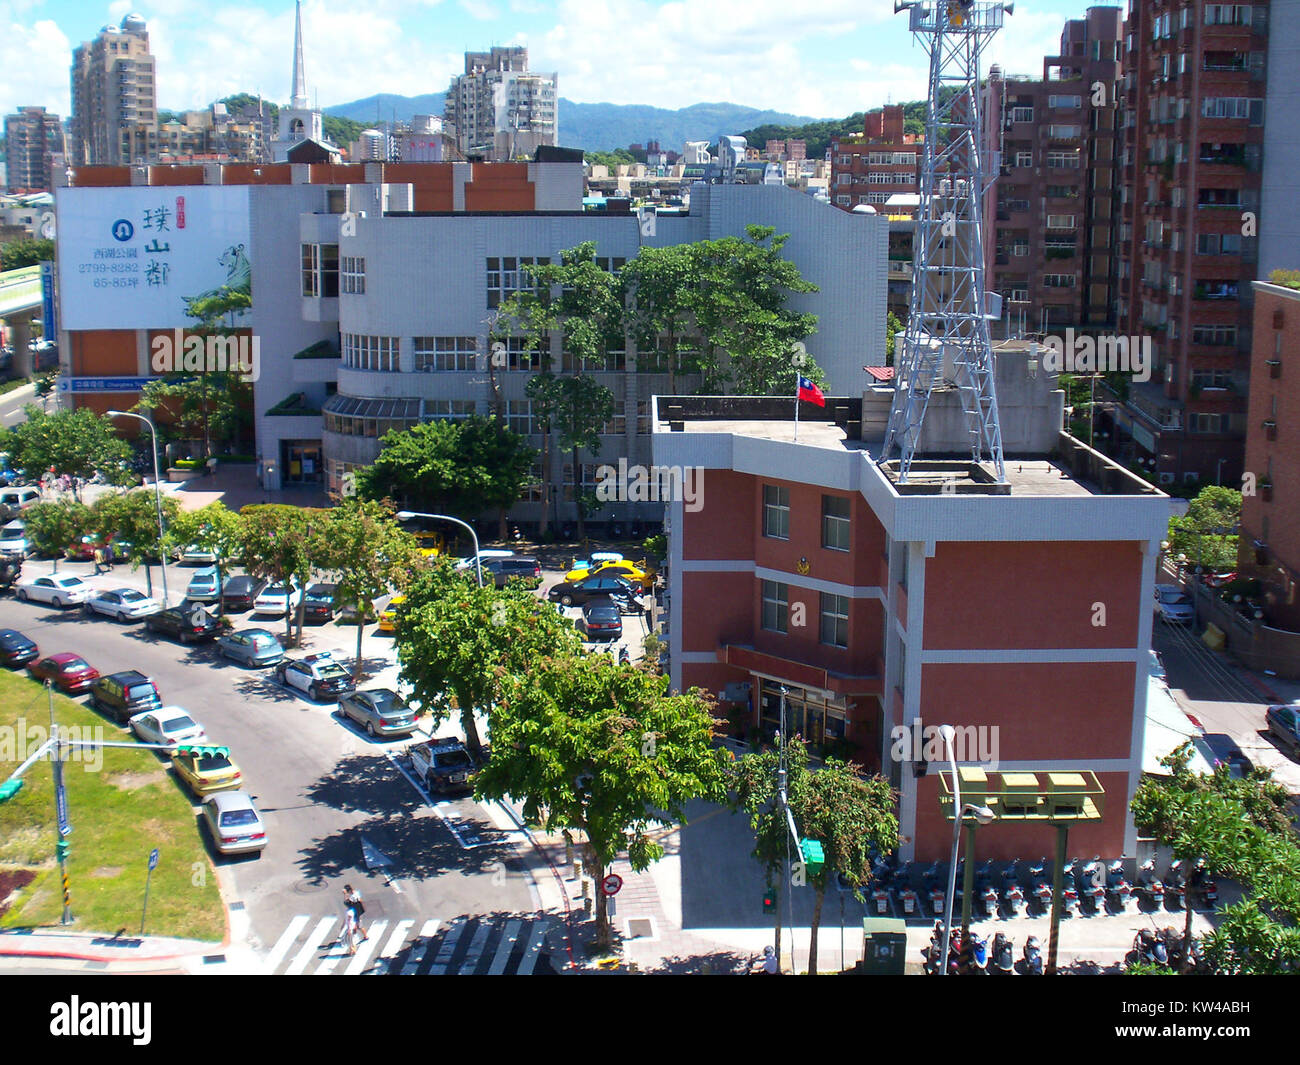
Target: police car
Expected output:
[318,675]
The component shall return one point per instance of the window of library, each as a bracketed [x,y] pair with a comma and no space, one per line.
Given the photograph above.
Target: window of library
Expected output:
[776,512]
[354,276]
[808,713]
[835,523]
[458,354]
[320,270]
[776,606]
[835,619]
[506,275]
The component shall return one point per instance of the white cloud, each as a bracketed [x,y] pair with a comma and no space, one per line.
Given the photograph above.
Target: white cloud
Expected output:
[41,77]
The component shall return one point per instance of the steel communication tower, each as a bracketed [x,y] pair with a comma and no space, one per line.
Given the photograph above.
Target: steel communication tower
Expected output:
[949,315]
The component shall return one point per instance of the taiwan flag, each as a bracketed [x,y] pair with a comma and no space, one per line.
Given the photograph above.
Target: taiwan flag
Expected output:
[810,392]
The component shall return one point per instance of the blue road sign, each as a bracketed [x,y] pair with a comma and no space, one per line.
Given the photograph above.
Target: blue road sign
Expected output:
[153,859]
[61,801]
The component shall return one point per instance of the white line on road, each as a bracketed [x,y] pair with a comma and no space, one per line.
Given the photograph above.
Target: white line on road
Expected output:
[367,948]
[304,956]
[285,941]
[504,948]
[468,841]
[417,955]
[394,944]
[449,942]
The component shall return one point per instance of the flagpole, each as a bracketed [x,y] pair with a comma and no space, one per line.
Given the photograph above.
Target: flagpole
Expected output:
[796,407]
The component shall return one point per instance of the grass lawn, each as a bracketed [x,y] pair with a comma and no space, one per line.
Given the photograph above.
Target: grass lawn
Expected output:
[120,807]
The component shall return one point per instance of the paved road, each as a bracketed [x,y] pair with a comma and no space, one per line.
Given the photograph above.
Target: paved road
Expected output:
[325,788]
[12,403]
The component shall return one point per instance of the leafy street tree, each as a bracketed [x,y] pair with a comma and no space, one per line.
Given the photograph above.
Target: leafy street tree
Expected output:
[892,328]
[455,467]
[278,546]
[74,442]
[133,517]
[660,286]
[1207,534]
[850,815]
[53,525]
[575,407]
[216,527]
[1242,829]
[592,746]
[368,553]
[457,639]
[20,253]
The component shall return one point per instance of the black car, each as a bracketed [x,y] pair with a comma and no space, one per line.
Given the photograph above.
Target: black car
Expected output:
[601,620]
[318,603]
[578,592]
[16,650]
[528,570]
[123,695]
[188,621]
[240,592]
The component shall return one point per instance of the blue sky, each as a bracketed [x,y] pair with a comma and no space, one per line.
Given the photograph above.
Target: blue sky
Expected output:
[825,58]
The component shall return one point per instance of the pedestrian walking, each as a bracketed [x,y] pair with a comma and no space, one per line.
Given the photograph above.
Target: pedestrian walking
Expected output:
[349,930]
[99,561]
[352,900]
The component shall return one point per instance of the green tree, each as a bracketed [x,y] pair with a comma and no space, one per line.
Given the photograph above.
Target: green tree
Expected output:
[457,639]
[217,528]
[74,442]
[847,813]
[19,253]
[278,545]
[133,516]
[660,286]
[1206,535]
[575,407]
[892,328]
[53,525]
[602,749]
[367,552]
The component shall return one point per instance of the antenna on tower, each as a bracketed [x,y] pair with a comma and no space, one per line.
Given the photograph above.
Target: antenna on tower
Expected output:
[948,323]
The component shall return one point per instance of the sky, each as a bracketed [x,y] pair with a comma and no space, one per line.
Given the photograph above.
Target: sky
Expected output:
[821,58]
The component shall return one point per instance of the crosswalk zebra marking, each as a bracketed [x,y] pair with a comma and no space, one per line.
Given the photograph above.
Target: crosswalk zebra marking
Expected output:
[366,949]
[476,945]
[417,955]
[449,941]
[308,951]
[285,941]
[505,948]
[394,944]
[536,940]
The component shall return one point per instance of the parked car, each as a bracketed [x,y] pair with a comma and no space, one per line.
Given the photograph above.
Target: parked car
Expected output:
[442,765]
[204,772]
[83,548]
[252,647]
[318,603]
[1218,580]
[1173,605]
[1282,722]
[601,620]
[13,539]
[388,616]
[125,604]
[203,585]
[575,593]
[234,823]
[70,673]
[528,570]
[240,592]
[60,590]
[16,649]
[318,675]
[169,725]
[187,622]
[380,711]
[125,694]
[13,501]
[607,567]
[275,599]
[196,555]
[484,558]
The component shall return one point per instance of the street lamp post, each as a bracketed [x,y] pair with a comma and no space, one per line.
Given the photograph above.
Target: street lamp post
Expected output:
[407,515]
[983,815]
[157,492]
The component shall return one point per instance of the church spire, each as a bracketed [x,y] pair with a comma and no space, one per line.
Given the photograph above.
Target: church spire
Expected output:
[299,77]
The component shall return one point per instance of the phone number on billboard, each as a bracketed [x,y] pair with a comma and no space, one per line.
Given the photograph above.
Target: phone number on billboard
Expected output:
[109,268]
[116,282]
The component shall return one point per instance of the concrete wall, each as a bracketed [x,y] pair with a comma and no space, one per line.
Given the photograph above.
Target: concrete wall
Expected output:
[1279,231]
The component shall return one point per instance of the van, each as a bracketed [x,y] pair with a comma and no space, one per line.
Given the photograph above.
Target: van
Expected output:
[483,556]
[13,501]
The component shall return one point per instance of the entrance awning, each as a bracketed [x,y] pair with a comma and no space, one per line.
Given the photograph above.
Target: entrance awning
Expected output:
[743,656]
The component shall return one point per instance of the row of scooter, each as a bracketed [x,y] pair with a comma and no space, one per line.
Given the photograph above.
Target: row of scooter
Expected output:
[1087,888]
[970,955]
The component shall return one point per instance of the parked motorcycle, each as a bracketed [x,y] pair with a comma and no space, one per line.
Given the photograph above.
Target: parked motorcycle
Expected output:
[986,896]
[1118,890]
[1150,885]
[1203,884]
[1033,957]
[1041,889]
[1013,898]
[908,900]
[974,958]
[934,890]
[1093,885]
[1149,947]
[1002,958]
[1069,890]
[1176,884]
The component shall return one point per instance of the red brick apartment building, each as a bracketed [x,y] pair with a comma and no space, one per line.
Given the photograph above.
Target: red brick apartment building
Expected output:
[1025,610]
[877,164]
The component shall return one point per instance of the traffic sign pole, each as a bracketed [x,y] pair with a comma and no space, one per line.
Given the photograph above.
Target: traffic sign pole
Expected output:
[60,809]
[153,864]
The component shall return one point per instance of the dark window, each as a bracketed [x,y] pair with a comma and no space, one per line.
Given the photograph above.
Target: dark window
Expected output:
[835,523]
[776,512]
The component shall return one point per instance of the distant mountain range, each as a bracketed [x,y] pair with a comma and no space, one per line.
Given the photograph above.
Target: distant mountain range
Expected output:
[596,127]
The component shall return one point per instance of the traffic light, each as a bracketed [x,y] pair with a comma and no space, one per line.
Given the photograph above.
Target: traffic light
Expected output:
[814,857]
[203,752]
[61,848]
[10,788]
[769,902]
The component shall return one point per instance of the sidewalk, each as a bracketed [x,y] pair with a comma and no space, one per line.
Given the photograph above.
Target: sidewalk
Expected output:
[125,953]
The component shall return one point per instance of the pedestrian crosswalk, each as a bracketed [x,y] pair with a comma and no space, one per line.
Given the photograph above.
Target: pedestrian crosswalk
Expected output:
[509,946]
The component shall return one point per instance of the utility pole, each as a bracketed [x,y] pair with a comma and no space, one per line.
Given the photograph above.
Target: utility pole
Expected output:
[60,810]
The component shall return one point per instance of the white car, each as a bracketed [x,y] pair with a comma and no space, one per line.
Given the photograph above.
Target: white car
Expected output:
[13,539]
[125,604]
[171,725]
[234,822]
[196,554]
[1173,605]
[276,599]
[59,590]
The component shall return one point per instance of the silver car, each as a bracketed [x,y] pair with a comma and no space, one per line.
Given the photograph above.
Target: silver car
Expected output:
[380,711]
[253,647]
[235,824]
[125,604]
[171,725]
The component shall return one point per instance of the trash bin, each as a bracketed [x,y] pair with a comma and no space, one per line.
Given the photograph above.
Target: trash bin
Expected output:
[884,946]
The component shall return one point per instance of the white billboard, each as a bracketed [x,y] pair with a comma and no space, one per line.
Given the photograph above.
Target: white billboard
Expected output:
[138,258]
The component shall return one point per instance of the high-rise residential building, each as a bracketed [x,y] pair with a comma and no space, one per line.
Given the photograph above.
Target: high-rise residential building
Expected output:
[1052,220]
[1196,134]
[213,135]
[499,109]
[114,97]
[876,164]
[34,145]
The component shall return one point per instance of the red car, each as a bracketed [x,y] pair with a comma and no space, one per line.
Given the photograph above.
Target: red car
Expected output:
[70,673]
[84,548]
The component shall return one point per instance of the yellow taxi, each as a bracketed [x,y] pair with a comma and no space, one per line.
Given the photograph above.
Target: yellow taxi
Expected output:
[620,567]
[205,770]
[432,544]
[388,617]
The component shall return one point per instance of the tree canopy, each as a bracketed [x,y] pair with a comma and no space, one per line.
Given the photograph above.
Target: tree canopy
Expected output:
[78,443]
[1207,534]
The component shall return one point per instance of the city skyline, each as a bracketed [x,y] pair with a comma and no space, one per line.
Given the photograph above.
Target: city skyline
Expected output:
[826,56]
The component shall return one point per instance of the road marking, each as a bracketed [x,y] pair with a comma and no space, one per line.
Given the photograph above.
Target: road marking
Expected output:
[505,948]
[417,955]
[470,962]
[536,939]
[367,948]
[449,942]
[337,952]
[394,944]
[304,956]
[467,841]
[285,941]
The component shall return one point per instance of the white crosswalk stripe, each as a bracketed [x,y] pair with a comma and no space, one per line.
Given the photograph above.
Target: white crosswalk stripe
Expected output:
[366,948]
[304,956]
[285,941]
[421,947]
